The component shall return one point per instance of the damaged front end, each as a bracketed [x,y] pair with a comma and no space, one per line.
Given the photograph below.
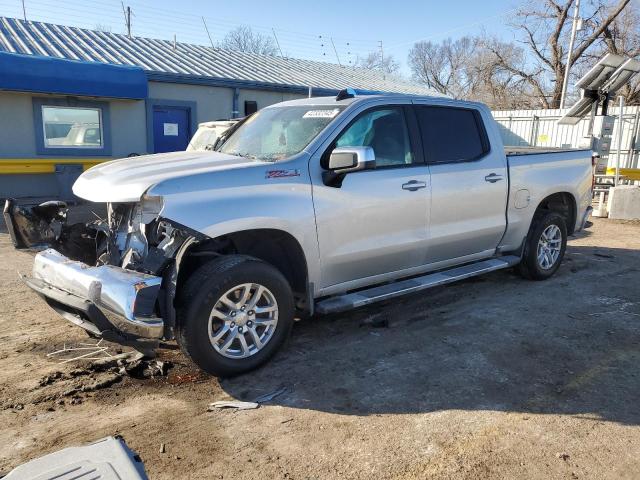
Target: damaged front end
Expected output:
[114,277]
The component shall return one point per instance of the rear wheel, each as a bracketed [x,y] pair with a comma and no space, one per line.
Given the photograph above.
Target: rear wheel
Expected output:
[544,247]
[234,313]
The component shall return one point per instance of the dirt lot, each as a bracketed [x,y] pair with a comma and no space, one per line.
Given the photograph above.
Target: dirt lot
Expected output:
[492,378]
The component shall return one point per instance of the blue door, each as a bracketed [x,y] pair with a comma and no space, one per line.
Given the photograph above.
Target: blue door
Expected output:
[171,129]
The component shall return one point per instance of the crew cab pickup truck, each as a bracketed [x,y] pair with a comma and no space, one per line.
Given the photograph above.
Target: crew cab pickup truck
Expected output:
[308,206]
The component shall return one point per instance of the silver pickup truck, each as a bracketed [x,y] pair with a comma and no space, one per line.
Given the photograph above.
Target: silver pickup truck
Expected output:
[309,206]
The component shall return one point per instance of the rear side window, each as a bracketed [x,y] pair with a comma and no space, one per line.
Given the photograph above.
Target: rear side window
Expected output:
[451,134]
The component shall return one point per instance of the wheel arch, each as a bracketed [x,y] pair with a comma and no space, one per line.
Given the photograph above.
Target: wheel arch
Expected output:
[273,246]
[563,203]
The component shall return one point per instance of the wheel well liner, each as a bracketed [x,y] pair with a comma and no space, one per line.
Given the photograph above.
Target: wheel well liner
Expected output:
[563,203]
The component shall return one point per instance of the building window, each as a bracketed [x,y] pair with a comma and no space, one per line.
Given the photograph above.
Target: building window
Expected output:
[71,127]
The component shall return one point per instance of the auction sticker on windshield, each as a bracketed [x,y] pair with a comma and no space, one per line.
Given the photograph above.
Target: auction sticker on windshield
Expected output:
[321,113]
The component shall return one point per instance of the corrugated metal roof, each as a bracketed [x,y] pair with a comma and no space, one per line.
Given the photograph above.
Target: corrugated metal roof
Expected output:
[189,60]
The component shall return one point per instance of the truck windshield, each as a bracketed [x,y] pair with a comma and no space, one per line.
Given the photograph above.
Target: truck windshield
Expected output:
[277,133]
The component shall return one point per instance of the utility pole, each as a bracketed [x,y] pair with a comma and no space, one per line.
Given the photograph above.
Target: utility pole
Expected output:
[335,51]
[208,34]
[127,18]
[616,180]
[574,29]
[24,11]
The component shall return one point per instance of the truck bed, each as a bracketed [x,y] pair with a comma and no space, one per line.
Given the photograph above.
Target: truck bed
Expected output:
[515,151]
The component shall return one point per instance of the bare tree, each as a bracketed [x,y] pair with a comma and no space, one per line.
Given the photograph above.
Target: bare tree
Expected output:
[100,27]
[544,27]
[244,39]
[495,85]
[471,68]
[375,61]
[445,67]
[622,37]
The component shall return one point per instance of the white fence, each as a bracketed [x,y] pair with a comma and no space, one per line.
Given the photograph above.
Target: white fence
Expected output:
[539,128]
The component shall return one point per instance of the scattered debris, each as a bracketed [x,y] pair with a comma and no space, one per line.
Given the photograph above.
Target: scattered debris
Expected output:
[116,360]
[603,255]
[270,396]
[287,421]
[142,368]
[109,457]
[240,405]
[162,448]
[563,456]
[84,351]
[233,404]
[101,373]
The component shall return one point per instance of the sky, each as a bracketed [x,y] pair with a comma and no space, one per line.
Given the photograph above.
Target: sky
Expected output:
[303,29]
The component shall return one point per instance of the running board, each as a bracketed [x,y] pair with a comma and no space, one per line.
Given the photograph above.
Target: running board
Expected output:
[402,287]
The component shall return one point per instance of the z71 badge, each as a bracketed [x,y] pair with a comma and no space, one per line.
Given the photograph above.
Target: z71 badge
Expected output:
[282,173]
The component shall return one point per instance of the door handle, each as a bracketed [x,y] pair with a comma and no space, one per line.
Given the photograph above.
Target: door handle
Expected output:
[493,178]
[414,185]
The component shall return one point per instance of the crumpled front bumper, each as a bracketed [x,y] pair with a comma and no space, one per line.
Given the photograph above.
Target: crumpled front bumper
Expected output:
[109,301]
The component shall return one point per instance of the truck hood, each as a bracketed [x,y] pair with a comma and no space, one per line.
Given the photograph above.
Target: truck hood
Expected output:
[127,179]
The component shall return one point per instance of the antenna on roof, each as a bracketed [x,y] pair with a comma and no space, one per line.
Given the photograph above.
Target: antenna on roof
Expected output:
[277,42]
[335,51]
[127,18]
[208,34]
[24,11]
[175,42]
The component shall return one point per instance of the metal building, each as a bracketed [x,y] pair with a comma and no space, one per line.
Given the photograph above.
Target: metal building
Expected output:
[71,97]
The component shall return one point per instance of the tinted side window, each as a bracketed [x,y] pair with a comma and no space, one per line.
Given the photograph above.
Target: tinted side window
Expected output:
[384,130]
[450,134]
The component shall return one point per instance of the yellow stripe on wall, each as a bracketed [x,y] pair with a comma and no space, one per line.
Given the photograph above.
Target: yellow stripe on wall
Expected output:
[10,166]
[629,173]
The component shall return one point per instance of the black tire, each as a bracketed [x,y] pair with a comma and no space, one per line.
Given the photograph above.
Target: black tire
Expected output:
[201,292]
[530,266]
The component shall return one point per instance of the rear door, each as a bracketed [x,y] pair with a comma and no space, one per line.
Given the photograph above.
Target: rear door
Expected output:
[469,184]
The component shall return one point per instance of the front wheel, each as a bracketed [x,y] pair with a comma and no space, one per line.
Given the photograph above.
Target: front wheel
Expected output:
[545,246]
[233,314]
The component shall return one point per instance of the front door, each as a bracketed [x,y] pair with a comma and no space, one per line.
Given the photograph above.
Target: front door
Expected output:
[469,185]
[171,129]
[375,222]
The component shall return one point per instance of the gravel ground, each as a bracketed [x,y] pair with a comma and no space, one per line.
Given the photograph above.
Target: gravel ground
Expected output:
[495,377]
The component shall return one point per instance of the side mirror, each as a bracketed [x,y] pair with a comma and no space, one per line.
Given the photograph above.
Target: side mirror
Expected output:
[351,159]
[343,160]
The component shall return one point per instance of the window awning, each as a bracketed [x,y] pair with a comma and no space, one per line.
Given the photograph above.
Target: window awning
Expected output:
[30,73]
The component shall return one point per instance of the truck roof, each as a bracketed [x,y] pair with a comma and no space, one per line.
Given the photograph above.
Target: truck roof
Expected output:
[332,101]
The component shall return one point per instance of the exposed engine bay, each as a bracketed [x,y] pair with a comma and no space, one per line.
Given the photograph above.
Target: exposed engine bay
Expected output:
[131,237]
[96,274]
